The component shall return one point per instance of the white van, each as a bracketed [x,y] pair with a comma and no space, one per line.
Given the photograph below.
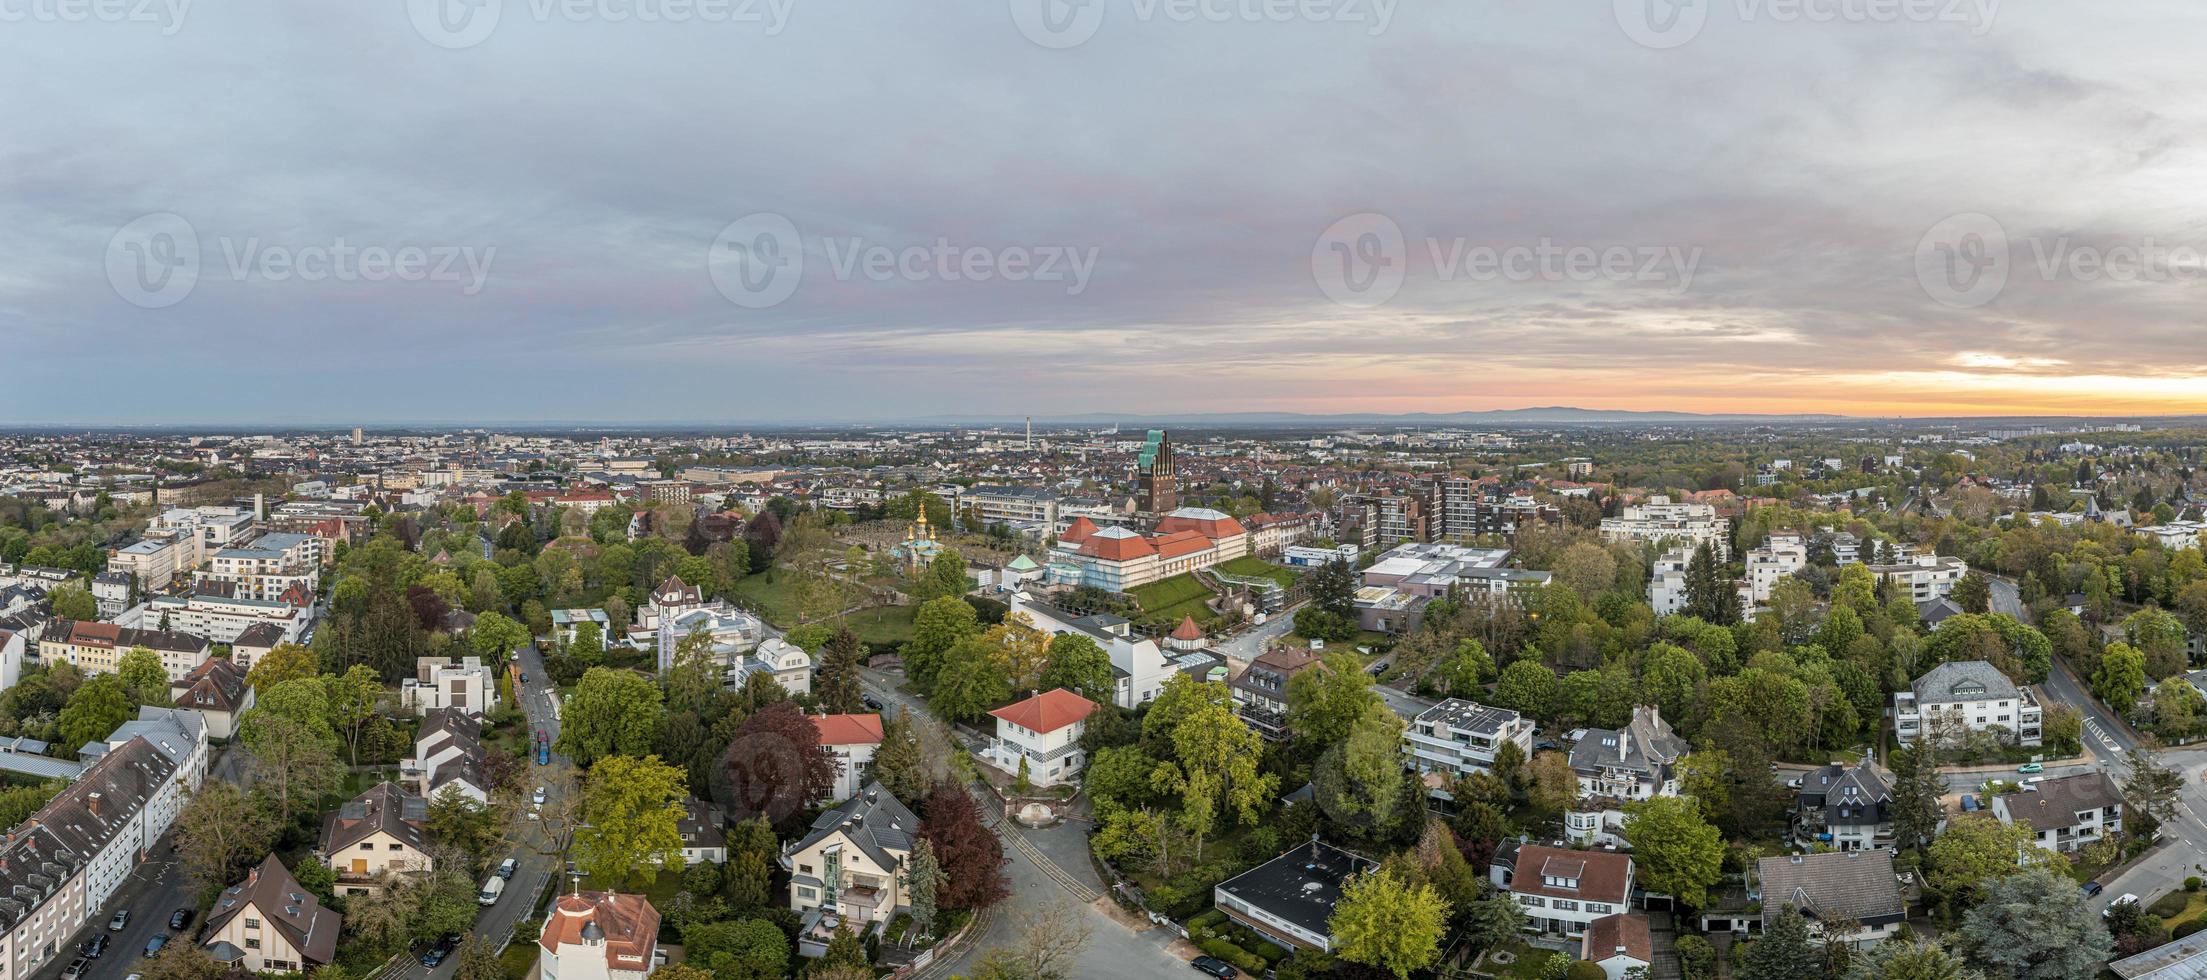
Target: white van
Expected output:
[493,888]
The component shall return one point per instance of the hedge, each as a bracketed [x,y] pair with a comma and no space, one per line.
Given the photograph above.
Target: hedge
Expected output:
[2169,906]
[2187,927]
[1208,920]
[1234,954]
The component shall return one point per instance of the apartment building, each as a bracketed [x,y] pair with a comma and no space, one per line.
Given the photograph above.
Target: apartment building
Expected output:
[1015,506]
[1924,577]
[1848,808]
[111,590]
[1260,690]
[1781,554]
[1138,666]
[1965,696]
[1660,520]
[219,616]
[1456,738]
[2175,535]
[1667,582]
[848,867]
[2065,813]
[459,683]
[95,648]
[157,559]
[276,567]
[852,740]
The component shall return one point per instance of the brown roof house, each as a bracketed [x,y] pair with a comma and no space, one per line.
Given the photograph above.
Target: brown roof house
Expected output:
[598,936]
[1619,944]
[217,690]
[383,829]
[1563,891]
[269,923]
[1853,891]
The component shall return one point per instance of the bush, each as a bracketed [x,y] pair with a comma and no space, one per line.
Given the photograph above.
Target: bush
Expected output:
[1208,920]
[2169,906]
[1272,952]
[2191,884]
[1233,954]
[1697,957]
[2188,927]
[1585,970]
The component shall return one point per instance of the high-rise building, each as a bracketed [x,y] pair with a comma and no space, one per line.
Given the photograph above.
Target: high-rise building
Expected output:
[1159,488]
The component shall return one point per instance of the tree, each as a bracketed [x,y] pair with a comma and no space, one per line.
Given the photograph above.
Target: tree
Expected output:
[1333,589]
[1550,784]
[74,602]
[2036,926]
[287,661]
[1077,664]
[1710,594]
[939,625]
[900,764]
[611,712]
[971,680]
[1050,939]
[478,961]
[631,818]
[1977,850]
[1677,852]
[970,854]
[1527,687]
[1972,592]
[1359,781]
[924,879]
[1325,701]
[183,961]
[352,700]
[293,760]
[97,707]
[1385,922]
[1784,951]
[1214,761]
[775,767]
[495,635]
[738,950]
[1908,959]
[1916,788]
[836,683]
[220,831]
[2153,786]
[144,679]
[2121,677]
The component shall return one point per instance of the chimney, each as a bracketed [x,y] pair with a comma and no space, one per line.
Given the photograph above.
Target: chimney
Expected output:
[92,800]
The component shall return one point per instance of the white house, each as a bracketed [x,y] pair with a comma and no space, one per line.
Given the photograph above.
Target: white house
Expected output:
[2065,813]
[1924,577]
[1456,738]
[1965,696]
[1637,762]
[1619,944]
[1044,732]
[462,684]
[270,923]
[786,662]
[1781,554]
[1138,666]
[1660,520]
[1563,891]
[598,936]
[852,739]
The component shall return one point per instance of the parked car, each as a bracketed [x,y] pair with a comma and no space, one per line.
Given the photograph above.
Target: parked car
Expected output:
[2126,899]
[537,797]
[2030,767]
[1969,803]
[76,970]
[1377,668]
[121,919]
[182,918]
[506,869]
[432,956]
[2092,888]
[154,945]
[1213,966]
[870,701]
[524,677]
[95,947]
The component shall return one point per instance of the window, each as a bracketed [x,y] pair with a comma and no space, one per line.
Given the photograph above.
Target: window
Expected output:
[252,944]
[1565,905]
[252,923]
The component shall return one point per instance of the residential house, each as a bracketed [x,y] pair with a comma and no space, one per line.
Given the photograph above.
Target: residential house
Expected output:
[598,936]
[1924,577]
[383,829]
[269,923]
[1962,696]
[96,648]
[1616,767]
[448,751]
[704,834]
[1853,889]
[1290,898]
[852,739]
[459,683]
[1139,667]
[1040,737]
[1563,891]
[786,662]
[1260,690]
[254,643]
[1619,944]
[1456,738]
[1846,807]
[847,867]
[2065,813]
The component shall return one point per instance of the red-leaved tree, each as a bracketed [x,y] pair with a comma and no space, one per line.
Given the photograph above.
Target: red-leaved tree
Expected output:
[774,767]
[967,851]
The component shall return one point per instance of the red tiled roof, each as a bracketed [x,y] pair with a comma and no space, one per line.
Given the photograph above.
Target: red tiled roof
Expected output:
[1603,876]
[630,925]
[1183,543]
[1218,527]
[1610,933]
[1187,630]
[1116,548]
[848,729]
[1047,712]
[1079,531]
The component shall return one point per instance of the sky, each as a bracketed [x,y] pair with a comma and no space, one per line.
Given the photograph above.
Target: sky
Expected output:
[776,210]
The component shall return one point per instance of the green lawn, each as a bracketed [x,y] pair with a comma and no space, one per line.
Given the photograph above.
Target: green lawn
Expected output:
[1531,963]
[882,624]
[1168,600]
[1251,566]
[775,600]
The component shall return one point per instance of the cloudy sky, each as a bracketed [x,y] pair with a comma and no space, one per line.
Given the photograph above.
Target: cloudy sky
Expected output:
[629,210]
